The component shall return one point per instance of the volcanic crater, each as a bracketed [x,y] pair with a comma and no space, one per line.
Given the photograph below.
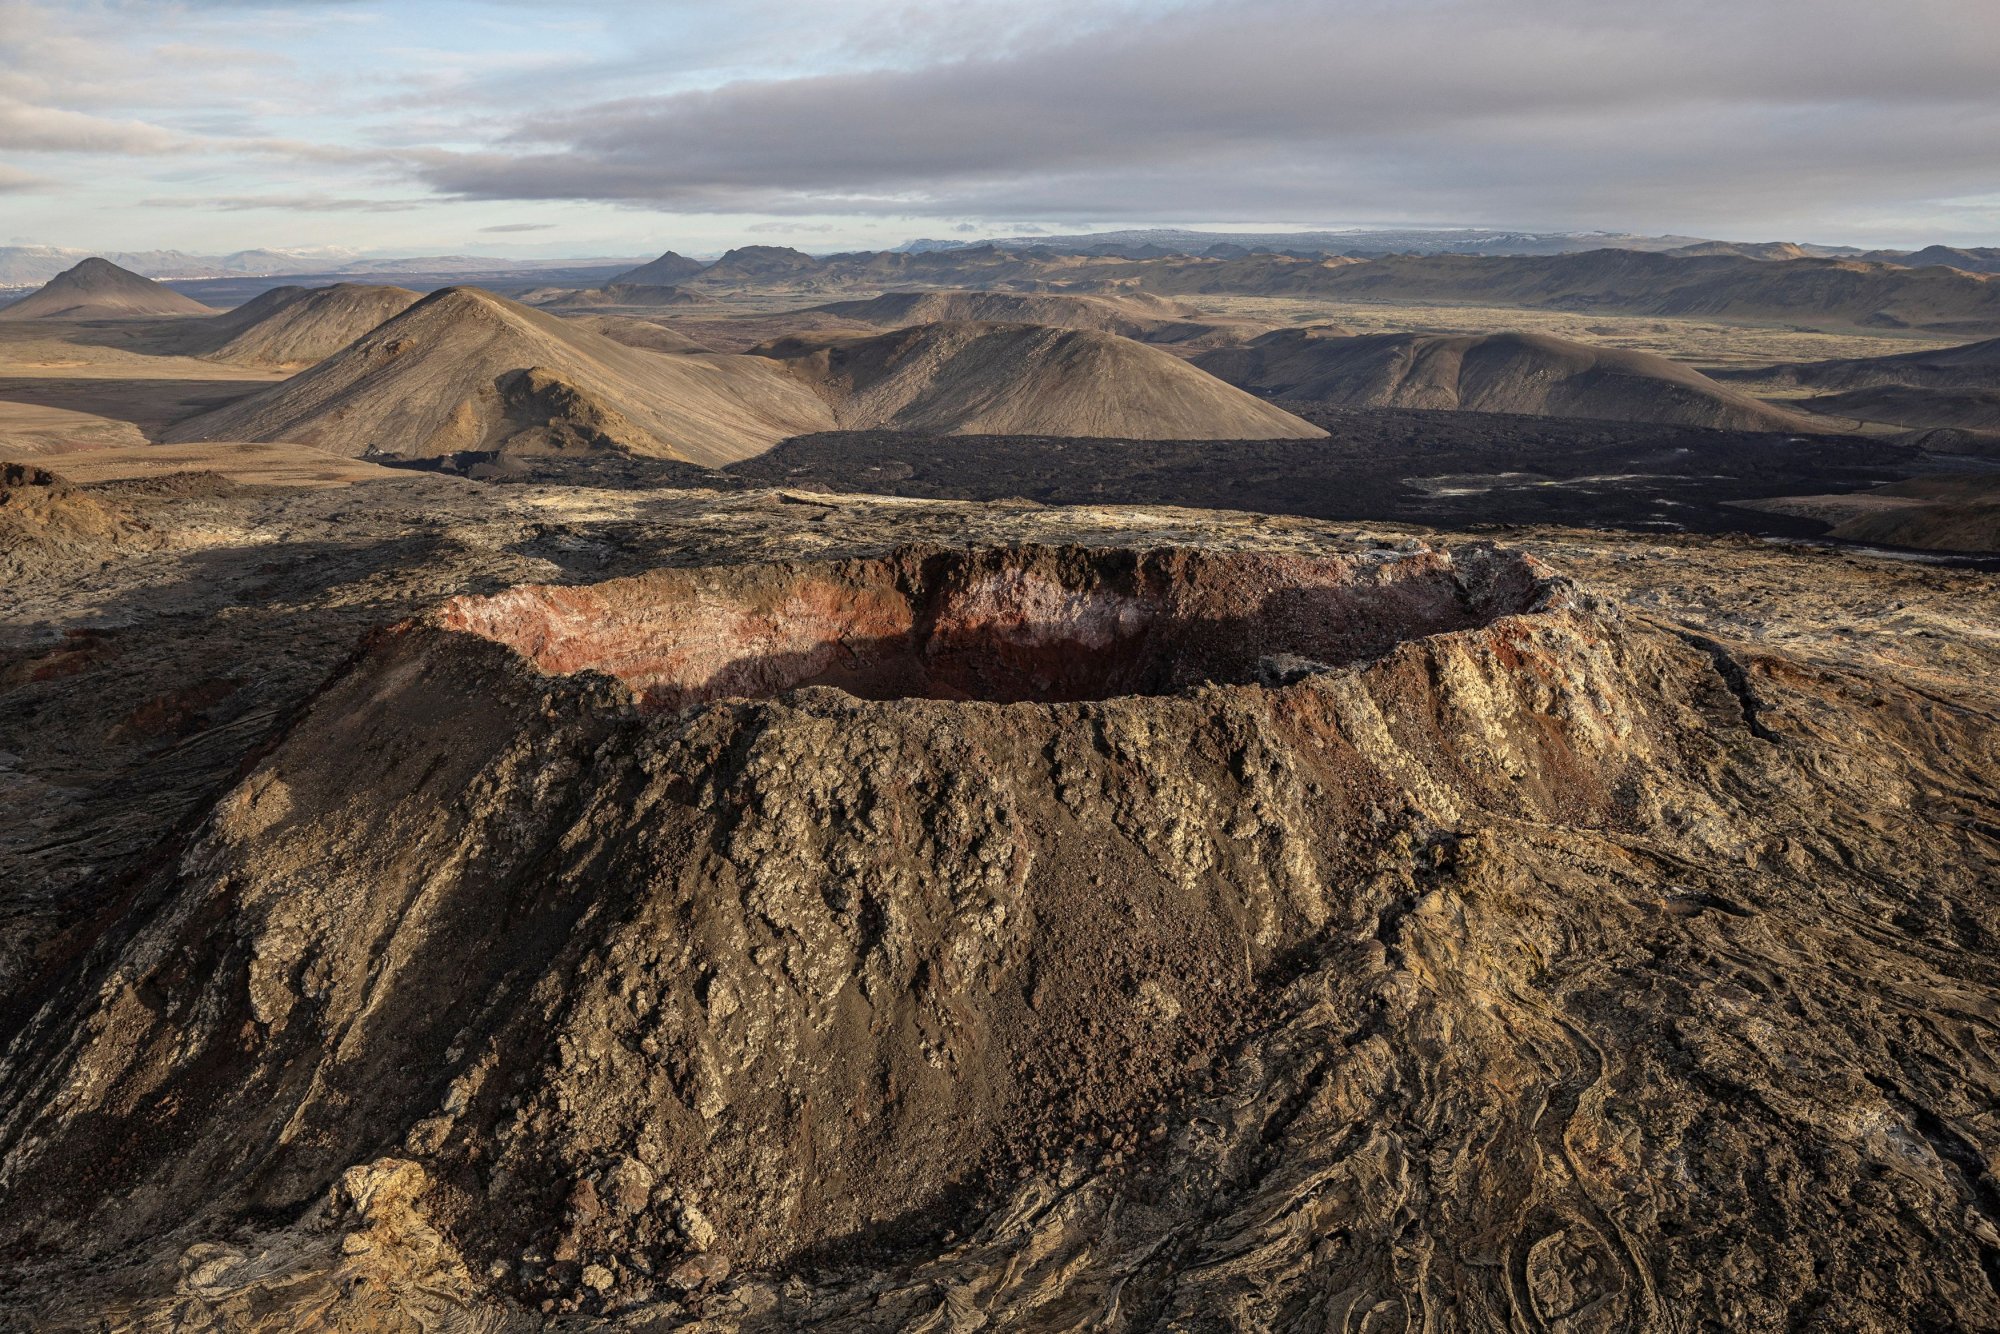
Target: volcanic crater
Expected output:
[1146,937]
[1007,625]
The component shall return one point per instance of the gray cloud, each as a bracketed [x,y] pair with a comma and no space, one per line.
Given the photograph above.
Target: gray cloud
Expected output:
[520,227]
[1586,111]
[291,204]
[15,181]
[41,129]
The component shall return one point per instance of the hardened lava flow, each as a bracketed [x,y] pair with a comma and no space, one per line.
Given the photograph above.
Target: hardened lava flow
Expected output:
[1035,936]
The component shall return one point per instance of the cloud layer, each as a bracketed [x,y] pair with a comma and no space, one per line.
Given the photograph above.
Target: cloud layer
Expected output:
[1533,110]
[1806,119]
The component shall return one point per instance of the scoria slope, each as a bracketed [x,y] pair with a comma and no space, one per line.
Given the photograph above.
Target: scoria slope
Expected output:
[98,289]
[298,326]
[1030,937]
[1020,379]
[1503,372]
[466,370]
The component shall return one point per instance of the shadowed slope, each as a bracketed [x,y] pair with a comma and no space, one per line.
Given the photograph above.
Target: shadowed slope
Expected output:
[1508,372]
[1952,387]
[1129,315]
[1969,366]
[297,326]
[615,294]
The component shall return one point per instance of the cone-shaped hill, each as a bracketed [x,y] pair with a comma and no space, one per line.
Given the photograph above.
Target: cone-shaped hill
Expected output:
[749,264]
[97,289]
[665,271]
[1530,374]
[1131,315]
[297,326]
[1024,379]
[466,370]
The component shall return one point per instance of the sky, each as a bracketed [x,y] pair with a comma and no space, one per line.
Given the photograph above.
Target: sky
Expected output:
[601,127]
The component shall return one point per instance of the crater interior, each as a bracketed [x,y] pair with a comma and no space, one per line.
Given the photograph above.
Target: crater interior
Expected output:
[1009,625]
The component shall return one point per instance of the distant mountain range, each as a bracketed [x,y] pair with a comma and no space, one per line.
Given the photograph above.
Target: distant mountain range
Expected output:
[1150,242]
[32,265]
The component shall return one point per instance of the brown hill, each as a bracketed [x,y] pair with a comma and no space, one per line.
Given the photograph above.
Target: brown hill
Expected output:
[753,264]
[97,289]
[1761,250]
[1952,440]
[1833,291]
[1898,405]
[1842,293]
[219,330]
[1023,379]
[1129,315]
[983,266]
[1942,511]
[1952,387]
[1249,275]
[1976,259]
[665,271]
[1969,366]
[1506,372]
[297,326]
[466,370]
[647,334]
[616,294]
[1280,358]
